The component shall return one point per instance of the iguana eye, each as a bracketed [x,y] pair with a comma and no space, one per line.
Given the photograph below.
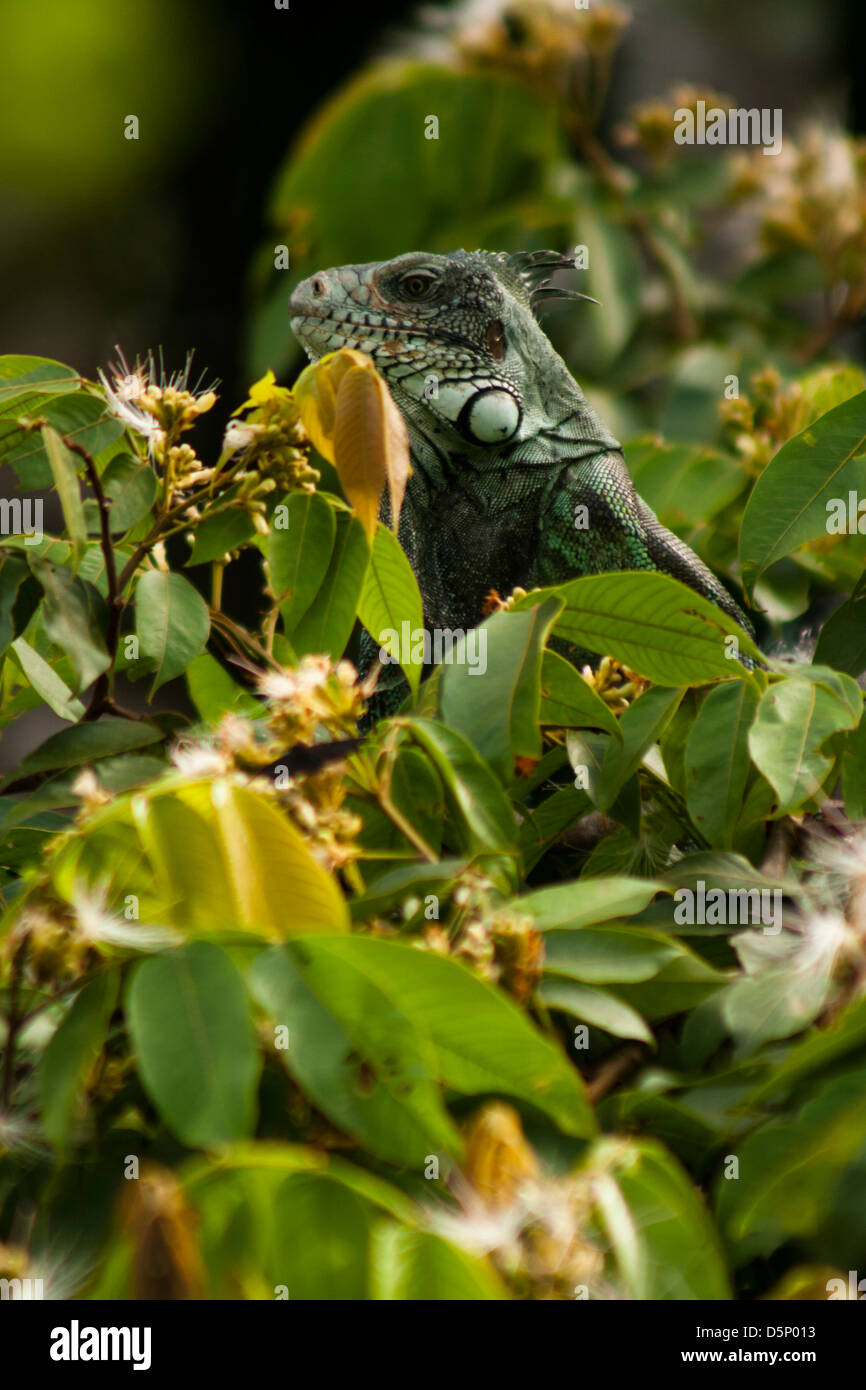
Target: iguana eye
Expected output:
[417,283]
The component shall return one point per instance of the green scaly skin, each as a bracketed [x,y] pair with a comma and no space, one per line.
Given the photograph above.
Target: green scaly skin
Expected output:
[506,450]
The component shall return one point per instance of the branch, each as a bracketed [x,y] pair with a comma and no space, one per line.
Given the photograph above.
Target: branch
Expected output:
[102,687]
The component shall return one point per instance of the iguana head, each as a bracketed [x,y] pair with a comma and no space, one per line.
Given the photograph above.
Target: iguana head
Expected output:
[458,340]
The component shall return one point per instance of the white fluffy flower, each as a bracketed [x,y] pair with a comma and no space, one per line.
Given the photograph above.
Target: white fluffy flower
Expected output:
[121,396]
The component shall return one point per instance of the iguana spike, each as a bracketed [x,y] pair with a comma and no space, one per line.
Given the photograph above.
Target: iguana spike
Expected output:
[534,271]
[551,294]
[533,266]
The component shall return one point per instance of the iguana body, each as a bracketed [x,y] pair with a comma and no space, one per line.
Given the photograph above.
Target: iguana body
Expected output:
[506,450]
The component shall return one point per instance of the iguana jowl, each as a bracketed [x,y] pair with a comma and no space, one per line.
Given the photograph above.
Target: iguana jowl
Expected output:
[506,450]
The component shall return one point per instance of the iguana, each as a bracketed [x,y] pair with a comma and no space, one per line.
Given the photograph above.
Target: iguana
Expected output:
[506,450]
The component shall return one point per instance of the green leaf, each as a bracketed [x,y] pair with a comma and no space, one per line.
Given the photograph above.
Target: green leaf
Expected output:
[717,760]
[843,1035]
[85,743]
[315,1240]
[14,571]
[493,701]
[842,642]
[681,984]
[172,623]
[662,1235]
[327,624]
[130,489]
[74,617]
[844,687]
[92,567]
[23,375]
[300,553]
[587,754]
[788,504]
[69,1057]
[689,1135]
[214,692]
[64,471]
[794,719]
[596,1006]
[418,794]
[319,1239]
[46,682]
[642,724]
[725,871]
[654,973]
[609,954]
[569,702]
[790,1168]
[854,773]
[485,818]
[355,1050]
[194,1043]
[390,602]
[651,623]
[672,744]
[216,535]
[587,901]
[76,416]
[422,1267]
[684,485]
[394,887]
[483,1042]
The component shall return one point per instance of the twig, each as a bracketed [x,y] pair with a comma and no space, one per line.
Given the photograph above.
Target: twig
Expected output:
[620,1065]
[216,584]
[102,687]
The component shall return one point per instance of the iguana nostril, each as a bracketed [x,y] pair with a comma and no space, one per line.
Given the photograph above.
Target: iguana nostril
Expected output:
[318,286]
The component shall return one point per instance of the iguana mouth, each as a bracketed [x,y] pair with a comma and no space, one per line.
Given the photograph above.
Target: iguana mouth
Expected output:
[387,335]
[388,330]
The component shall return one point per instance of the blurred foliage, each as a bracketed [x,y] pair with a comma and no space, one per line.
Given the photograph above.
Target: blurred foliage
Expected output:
[73,72]
[419,1014]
